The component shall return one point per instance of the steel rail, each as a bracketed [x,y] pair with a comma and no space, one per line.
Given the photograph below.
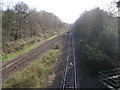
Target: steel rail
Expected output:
[65,76]
[66,69]
[74,63]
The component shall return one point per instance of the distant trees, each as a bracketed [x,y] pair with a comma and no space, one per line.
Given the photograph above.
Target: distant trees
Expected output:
[22,22]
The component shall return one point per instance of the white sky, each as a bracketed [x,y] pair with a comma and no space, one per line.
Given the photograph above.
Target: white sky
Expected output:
[67,10]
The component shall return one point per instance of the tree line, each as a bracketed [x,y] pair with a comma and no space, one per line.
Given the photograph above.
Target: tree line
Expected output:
[98,32]
[21,22]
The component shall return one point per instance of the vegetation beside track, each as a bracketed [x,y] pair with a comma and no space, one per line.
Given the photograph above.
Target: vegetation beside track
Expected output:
[96,60]
[36,74]
[97,30]
[23,27]
[25,49]
[22,46]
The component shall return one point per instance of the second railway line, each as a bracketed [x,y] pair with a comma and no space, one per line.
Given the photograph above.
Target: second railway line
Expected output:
[16,63]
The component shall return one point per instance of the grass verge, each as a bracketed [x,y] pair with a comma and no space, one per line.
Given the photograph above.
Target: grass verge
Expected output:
[54,36]
[12,55]
[36,74]
[21,49]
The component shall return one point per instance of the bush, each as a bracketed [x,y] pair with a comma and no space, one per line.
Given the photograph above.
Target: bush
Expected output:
[57,46]
[95,59]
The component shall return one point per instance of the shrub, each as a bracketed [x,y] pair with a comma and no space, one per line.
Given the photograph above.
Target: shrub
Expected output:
[57,46]
[95,59]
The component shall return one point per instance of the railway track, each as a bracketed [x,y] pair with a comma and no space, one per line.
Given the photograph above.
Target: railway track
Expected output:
[18,62]
[69,78]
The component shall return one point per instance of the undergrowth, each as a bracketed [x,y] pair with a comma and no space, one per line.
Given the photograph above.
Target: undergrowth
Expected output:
[12,55]
[96,60]
[12,49]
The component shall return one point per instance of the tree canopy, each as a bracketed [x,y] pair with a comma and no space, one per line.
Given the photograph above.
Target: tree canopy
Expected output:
[21,22]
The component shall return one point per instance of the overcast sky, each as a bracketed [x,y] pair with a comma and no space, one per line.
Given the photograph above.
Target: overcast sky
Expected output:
[67,10]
